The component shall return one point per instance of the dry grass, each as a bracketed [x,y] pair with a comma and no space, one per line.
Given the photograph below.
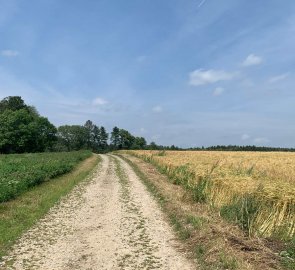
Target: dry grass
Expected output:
[256,189]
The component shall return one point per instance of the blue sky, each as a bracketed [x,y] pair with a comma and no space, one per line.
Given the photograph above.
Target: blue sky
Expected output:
[181,72]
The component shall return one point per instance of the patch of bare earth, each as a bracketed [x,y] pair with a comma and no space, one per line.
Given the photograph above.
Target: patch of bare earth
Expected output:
[216,243]
[108,222]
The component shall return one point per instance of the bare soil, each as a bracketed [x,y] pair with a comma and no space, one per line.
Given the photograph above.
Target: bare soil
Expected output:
[108,222]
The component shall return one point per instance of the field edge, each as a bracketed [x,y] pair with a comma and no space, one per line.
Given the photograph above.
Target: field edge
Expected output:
[20,214]
[191,227]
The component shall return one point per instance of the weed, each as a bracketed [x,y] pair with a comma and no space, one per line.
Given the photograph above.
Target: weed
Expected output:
[200,251]
[201,190]
[228,262]
[242,211]
[196,222]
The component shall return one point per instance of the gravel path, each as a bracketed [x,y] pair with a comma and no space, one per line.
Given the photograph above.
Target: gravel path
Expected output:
[108,222]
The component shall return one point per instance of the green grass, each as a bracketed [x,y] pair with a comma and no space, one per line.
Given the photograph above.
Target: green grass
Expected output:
[18,215]
[20,172]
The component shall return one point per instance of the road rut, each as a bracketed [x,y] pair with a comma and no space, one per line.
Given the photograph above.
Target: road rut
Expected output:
[108,222]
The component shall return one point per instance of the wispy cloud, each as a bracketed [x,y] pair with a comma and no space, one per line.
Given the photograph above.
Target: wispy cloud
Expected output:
[252,60]
[278,78]
[201,76]
[218,91]
[157,109]
[245,137]
[261,140]
[9,53]
[201,3]
[99,101]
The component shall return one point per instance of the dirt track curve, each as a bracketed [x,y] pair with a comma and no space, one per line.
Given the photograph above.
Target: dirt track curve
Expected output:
[109,222]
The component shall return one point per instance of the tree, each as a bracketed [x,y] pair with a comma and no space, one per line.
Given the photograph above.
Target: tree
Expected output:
[72,137]
[103,139]
[153,146]
[115,138]
[23,131]
[89,126]
[43,135]
[12,103]
[139,143]
[96,139]
[126,140]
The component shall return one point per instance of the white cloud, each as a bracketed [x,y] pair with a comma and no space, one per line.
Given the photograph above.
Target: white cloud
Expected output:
[252,60]
[142,130]
[245,137]
[218,91]
[278,78]
[201,76]
[157,109]
[99,101]
[9,53]
[261,140]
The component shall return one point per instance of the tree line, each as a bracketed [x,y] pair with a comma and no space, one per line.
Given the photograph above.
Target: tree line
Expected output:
[22,129]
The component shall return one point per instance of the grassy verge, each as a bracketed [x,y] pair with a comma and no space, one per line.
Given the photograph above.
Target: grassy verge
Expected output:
[16,216]
[210,240]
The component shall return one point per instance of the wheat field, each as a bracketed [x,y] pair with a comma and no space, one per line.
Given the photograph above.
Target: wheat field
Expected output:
[255,189]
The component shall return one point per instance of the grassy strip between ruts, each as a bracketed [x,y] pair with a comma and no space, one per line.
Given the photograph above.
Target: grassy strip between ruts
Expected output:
[213,243]
[18,215]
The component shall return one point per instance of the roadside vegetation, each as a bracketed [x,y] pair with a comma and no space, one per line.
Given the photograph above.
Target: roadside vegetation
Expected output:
[201,241]
[258,198]
[18,215]
[20,172]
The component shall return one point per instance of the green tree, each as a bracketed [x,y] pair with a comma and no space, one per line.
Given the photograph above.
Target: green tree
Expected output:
[96,139]
[43,135]
[153,146]
[139,143]
[12,103]
[89,127]
[72,137]
[22,131]
[126,139]
[103,139]
[115,138]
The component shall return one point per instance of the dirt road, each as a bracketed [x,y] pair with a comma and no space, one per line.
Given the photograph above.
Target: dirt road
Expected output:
[109,222]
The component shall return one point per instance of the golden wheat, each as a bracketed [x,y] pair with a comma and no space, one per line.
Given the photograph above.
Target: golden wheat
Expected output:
[268,176]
